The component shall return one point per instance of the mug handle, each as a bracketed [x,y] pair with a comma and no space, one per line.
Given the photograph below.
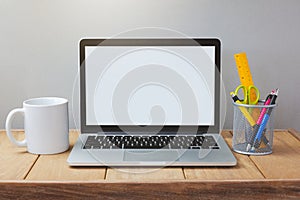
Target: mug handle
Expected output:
[9,119]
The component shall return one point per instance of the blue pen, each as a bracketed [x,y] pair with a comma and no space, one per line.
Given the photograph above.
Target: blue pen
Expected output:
[256,126]
[263,124]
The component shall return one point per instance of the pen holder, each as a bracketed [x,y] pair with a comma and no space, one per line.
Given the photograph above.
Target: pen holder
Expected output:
[253,127]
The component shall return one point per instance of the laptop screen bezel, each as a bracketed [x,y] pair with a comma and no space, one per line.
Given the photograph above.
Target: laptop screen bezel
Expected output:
[149,42]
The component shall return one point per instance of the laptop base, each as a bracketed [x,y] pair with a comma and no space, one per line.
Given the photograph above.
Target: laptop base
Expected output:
[151,157]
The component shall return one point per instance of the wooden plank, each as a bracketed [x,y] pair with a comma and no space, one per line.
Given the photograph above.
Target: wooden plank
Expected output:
[284,162]
[15,162]
[294,133]
[144,174]
[55,167]
[245,168]
[275,189]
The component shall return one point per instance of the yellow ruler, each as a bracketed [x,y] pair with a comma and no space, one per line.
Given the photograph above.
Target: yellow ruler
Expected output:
[244,72]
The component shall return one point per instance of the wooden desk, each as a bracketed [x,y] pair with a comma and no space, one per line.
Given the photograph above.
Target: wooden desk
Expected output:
[275,176]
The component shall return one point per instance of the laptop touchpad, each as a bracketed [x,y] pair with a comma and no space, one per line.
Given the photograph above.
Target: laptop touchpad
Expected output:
[150,156]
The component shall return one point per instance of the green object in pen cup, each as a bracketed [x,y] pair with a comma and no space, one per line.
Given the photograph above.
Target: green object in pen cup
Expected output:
[247,94]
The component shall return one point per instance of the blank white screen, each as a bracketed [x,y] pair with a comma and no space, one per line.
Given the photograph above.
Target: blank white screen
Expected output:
[111,69]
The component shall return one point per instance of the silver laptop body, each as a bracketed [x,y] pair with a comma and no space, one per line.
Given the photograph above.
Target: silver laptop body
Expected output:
[150,102]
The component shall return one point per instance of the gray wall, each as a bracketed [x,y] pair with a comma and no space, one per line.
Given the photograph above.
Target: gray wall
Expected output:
[38,43]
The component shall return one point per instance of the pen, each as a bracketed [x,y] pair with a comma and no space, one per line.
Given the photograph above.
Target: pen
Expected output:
[263,124]
[264,139]
[243,110]
[258,122]
[264,110]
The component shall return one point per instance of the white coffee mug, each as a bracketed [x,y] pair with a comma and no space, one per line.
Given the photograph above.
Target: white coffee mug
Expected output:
[46,125]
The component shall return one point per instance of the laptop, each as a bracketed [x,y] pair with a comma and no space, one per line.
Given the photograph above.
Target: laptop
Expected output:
[150,102]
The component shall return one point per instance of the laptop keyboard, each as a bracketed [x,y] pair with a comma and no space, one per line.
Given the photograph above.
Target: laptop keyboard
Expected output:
[150,142]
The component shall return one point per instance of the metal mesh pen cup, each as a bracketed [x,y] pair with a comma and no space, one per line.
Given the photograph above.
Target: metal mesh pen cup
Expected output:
[253,127]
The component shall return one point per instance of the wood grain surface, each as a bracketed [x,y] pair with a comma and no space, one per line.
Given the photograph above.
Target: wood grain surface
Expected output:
[245,168]
[275,176]
[15,162]
[55,167]
[275,189]
[295,133]
[284,162]
[144,174]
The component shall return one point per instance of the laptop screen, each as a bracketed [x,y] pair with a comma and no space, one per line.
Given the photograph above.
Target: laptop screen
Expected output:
[145,84]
